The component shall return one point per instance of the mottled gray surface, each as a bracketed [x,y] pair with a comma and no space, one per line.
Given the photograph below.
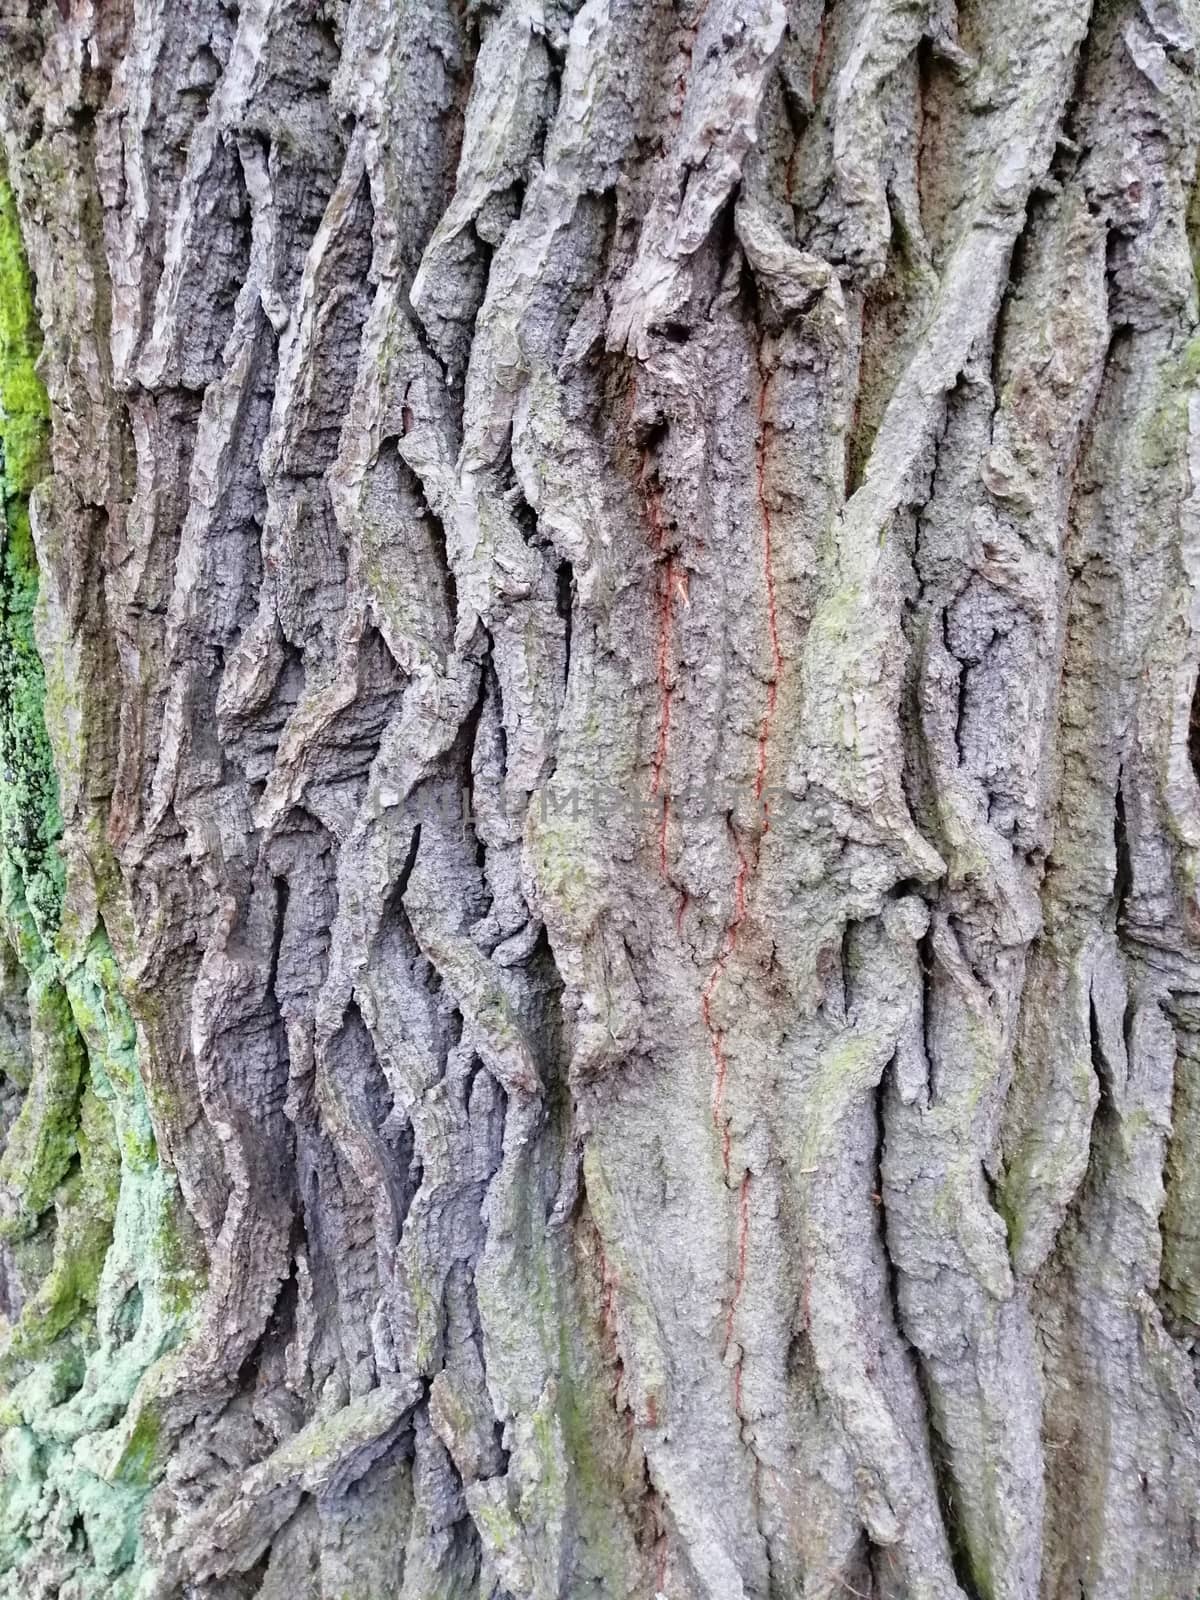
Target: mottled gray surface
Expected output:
[625,588]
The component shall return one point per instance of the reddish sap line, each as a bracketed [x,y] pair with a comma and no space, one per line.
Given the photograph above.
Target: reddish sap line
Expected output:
[720,1060]
[729,943]
[717,1038]
[608,1327]
[652,492]
[607,1288]
[686,49]
[666,690]
[818,59]
[722,1072]
[764,732]
[739,1284]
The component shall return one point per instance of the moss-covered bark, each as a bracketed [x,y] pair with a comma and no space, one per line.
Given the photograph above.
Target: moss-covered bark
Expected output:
[97,1290]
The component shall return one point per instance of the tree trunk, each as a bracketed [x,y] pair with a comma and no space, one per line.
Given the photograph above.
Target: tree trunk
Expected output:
[600,983]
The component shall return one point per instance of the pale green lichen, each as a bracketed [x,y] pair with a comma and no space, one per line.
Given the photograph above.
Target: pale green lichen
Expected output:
[1162,429]
[566,1442]
[94,1222]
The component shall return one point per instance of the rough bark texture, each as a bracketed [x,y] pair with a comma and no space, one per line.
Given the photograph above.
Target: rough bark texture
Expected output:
[601,968]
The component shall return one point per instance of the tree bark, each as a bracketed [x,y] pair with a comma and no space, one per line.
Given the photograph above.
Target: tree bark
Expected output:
[599,837]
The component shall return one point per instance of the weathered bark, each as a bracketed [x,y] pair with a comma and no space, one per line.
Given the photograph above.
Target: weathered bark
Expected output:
[601,970]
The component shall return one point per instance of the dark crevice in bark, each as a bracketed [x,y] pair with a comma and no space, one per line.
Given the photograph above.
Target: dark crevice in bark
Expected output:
[282,891]
[927,959]
[962,687]
[521,511]
[1101,1065]
[243,1585]
[394,918]
[1037,215]
[844,971]
[566,609]
[1084,478]
[462,757]
[1080,102]
[1123,876]
[437,536]
[430,354]
[1193,736]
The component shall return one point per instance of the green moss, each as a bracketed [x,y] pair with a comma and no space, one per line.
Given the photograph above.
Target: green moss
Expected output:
[585,1409]
[180,1261]
[86,1205]
[101,1238]
[24,408]
[574,1436]
[31,892]
[140,1461]
[42,1143]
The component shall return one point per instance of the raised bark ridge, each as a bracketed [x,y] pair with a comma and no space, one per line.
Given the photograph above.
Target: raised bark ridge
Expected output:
[600,966]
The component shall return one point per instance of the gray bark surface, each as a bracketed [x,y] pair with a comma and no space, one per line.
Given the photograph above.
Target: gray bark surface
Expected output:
[619,585]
